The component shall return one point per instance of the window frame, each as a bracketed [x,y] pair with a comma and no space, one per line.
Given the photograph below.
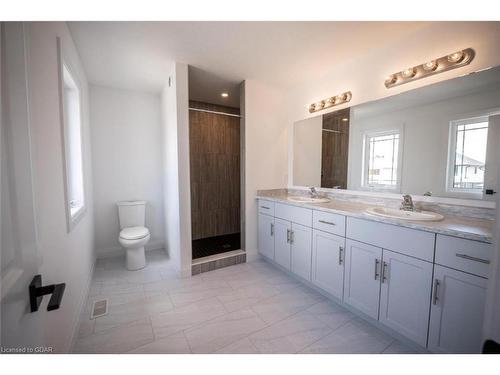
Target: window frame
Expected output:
[366,160]
[452,145]
[64,63]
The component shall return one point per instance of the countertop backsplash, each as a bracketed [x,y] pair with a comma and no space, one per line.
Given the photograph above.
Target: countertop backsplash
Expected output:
[442,208]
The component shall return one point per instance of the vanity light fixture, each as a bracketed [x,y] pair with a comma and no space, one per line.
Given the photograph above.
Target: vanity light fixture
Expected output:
[224,94]
[331,102]
[442,64]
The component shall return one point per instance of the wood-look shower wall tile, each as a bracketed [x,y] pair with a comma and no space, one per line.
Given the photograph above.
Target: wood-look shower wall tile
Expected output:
[215,171]
[334,149]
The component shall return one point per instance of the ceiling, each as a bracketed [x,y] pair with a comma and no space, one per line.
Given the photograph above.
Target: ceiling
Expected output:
[136,55]
[208,87]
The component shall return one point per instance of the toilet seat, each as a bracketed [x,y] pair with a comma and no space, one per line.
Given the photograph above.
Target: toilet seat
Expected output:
[134,233]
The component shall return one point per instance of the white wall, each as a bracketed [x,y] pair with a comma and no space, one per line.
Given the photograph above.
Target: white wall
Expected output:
[265,150]
[365,77]
[177,192]
[127,162]
[65,257]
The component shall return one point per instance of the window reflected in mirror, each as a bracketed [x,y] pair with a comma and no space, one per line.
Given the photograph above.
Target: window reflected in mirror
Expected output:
[381,162]
[468,141]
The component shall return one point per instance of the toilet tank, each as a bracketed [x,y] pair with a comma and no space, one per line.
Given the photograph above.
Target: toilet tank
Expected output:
[132,213]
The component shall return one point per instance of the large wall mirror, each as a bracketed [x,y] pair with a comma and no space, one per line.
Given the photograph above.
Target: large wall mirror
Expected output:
[437,140]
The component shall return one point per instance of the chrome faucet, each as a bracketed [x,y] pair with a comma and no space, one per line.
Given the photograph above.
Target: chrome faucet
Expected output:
[407,203]
[314,193]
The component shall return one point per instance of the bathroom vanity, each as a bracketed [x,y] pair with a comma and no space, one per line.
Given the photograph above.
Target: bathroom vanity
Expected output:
[424,281]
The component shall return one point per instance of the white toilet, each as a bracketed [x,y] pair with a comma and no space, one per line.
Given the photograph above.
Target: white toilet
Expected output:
[133,234]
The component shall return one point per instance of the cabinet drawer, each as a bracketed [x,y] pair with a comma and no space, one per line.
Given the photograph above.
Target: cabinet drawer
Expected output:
[294,214]
[464,255]
[328,222]
[412,242]
[266,207]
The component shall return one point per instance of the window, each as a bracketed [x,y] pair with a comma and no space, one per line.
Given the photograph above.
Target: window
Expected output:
[72,137]
[382,159]
[467,155]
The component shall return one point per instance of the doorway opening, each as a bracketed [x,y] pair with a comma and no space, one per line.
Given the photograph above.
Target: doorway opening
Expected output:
[215,157]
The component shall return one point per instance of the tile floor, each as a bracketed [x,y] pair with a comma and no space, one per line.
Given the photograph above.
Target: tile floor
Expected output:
[246,308]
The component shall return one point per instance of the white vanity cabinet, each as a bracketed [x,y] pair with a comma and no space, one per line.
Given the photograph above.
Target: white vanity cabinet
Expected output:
[459,295]
[300,241]
[457,311]
[266,235]
[282,229]
[362,277]
[404,273]
[405,295]
[411,242]
[396,275]
[292,247]
[293,239]
[328,254]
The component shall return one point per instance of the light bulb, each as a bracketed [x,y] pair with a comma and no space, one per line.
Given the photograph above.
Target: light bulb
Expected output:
[341,98]
[391,79]
[430,66]
[456,57]
[224,94]
[408,73]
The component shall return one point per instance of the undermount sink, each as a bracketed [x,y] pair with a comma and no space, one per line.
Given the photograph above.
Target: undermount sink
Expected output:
[302,199]
[394,213]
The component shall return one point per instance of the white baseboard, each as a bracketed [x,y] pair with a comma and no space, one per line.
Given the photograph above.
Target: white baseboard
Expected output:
[118,250]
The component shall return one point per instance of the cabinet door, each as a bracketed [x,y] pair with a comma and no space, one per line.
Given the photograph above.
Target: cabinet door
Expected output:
[266,236]
[328,262]
[456,312]
[362,277]
[301,238]
[405,295]
[282,230]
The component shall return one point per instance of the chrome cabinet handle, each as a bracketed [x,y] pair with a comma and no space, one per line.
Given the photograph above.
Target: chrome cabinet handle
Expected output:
[326,222]
[384,271]
[267,208]
[435,298]
[292,237]
[376,268]
[341,249]
[468,257]
[272,229]
[288,236]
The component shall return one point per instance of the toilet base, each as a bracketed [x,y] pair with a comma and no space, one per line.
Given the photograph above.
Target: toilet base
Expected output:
[136,259]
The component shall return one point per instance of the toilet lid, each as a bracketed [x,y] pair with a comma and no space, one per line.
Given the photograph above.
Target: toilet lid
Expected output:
[134,233]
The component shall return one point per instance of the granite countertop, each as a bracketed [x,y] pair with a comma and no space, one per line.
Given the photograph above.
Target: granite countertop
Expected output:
[463,227]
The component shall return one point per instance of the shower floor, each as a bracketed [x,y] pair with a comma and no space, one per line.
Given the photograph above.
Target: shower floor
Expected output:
[205,247]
